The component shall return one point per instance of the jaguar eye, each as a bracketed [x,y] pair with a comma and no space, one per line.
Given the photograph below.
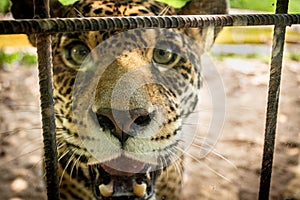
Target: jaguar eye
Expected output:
[77,53]
[164,57]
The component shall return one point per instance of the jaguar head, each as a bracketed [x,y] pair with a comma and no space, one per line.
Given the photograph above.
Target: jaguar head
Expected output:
[121,97]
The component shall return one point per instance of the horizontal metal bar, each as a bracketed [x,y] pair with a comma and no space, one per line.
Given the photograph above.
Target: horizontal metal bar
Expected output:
[54,25]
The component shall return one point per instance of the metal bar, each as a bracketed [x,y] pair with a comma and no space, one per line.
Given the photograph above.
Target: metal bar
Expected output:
[43,43]
[123,23]
[273,99]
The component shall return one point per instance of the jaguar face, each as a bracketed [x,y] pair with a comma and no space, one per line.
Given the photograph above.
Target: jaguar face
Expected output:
[128,98]
[121,99]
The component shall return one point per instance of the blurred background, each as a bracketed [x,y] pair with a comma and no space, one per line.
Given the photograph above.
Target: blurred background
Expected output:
[240,59]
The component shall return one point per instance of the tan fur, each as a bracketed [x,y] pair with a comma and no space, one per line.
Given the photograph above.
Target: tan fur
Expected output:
[168,102]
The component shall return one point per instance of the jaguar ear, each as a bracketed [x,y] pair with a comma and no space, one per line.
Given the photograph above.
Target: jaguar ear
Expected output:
[24,9]
[205,7]
[207,35]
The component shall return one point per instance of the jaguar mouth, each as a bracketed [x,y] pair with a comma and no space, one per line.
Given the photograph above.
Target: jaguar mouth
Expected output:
[123,178]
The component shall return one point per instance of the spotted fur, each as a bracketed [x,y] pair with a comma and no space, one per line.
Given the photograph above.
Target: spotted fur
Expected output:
[167,94]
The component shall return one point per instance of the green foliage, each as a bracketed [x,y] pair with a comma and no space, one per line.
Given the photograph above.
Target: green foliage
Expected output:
[4,6]
[222,56]
[294,56]
[67,2]
[19,58]
[8,58]
[264,5]
[29,59]
[264,58]
[294,6]
[175,3]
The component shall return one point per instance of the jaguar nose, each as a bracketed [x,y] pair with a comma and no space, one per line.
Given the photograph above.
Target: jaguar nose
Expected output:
[124,123]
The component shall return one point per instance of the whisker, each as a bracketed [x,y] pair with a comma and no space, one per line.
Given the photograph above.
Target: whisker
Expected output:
[75,164]
[190,124]
[199,137]
[18,130]
[29,145]
[64,154]
[39,162]
[216,154]
[202,163]
[166,170]
[67,165]
[20,156]
[176,162]
[179,169]
[164,11]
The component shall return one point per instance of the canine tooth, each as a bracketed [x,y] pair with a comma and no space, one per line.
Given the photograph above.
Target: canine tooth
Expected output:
[139,189]
[106,190]
[93,161]
[148,175]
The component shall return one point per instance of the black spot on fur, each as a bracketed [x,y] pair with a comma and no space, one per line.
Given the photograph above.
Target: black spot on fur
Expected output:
[155,9]
[108,13]
[72,81]
[143,11]
[69,90]
[87,8]
[98,11]
[62,196]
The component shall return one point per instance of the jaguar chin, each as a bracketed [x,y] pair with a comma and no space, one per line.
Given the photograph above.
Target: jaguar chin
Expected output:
[121,98]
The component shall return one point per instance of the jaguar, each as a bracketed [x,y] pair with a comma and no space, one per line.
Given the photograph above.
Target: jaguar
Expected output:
[121,98]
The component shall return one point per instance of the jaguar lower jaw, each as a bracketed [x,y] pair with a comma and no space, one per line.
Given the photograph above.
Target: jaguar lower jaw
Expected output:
[115,185]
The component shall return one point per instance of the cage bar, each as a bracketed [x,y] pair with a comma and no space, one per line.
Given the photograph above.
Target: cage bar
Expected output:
[124,23]
[273,99]
[43,42]
[43,27]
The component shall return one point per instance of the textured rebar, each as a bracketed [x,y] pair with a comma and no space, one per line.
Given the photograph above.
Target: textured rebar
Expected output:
[43,43]
[123,23]
[48,26]
[273,99]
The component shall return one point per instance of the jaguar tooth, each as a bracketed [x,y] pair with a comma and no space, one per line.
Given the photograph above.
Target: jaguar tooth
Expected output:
[139,189]
[148,176]
[106,190]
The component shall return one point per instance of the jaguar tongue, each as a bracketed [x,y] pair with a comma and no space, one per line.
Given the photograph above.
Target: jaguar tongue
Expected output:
[119,188]
[127,178]
[123,166]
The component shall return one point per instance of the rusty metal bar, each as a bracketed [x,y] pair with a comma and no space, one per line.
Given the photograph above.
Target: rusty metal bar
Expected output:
[43,42]
[48,26]
[273,99]
[123,23]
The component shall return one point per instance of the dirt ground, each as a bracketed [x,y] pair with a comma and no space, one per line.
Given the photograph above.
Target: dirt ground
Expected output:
[231,171]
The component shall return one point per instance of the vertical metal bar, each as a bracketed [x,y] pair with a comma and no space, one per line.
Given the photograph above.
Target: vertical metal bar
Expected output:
[41,9]
[273,99]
